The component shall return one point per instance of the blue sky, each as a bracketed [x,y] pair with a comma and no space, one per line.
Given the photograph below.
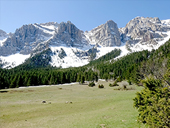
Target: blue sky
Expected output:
[85,14]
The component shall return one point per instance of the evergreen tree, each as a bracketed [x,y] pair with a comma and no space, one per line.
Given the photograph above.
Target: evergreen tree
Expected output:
[153,104]
[82,79]
[13,82]
[29,82]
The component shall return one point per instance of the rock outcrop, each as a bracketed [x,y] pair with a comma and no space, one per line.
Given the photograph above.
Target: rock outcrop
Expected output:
[38,37]
[24,40]
[144,30]
[69,35]
[3,34]
[106,35]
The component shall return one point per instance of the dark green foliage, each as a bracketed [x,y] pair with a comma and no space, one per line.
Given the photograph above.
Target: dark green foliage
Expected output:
[101,86]
[110,85]
[106,76]
[82,79]
[129,81]
[92,84]
[114,84]
[153,104]
[40,60]
[111,55]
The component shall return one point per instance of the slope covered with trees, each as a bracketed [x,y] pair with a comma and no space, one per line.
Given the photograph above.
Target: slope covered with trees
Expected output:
[133,67]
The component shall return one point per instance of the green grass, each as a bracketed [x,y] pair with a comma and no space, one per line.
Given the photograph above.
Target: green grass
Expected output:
[91,107]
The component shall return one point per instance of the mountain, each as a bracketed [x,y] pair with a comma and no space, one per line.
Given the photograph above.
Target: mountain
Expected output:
[145,33]
[133,67]
[3,36]
[106,35]
[71,47]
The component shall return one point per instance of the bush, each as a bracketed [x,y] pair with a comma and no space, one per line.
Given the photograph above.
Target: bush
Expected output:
[101,86]
[110,85]
[153,104]
[91,84]
[114,84]
[130,82]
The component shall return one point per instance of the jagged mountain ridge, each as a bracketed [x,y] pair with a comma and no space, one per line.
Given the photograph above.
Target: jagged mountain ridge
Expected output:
[106,35]
[140,33]
[144,31]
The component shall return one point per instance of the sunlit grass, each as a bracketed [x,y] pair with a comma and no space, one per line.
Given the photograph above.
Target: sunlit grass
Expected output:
[91,107]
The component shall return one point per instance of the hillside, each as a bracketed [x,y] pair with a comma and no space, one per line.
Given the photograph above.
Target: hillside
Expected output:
[134,67]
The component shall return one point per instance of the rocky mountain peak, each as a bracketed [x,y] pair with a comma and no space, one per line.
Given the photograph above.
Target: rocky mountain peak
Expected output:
[110,23]
[49,24]
[106,35]
[68,34]
[67,27]
[144,30]
[31,39]
[3,34]
[142,23]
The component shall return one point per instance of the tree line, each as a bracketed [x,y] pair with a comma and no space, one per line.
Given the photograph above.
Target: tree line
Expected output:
[11,79]
[133,67]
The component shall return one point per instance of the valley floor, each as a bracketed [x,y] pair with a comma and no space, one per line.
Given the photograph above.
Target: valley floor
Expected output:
[69,106]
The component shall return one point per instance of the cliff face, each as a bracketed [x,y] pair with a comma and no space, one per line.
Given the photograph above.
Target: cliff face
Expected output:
[148,30]
[69,35]
[24,40]
[37,37]
[106,35]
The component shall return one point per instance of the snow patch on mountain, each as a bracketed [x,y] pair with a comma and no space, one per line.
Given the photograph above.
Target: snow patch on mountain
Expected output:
[166,22]
[164,40]
[70,60]
[14,60]
[2,39]
[46,29]
[144,46]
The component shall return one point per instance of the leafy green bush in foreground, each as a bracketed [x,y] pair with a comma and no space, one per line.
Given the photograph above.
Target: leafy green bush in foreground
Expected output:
[153,104]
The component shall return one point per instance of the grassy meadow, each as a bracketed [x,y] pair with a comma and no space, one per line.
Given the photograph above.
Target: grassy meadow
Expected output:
[90,107]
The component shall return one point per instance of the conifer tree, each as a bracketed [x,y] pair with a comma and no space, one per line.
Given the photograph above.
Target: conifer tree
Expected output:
[153,104]
[82,79]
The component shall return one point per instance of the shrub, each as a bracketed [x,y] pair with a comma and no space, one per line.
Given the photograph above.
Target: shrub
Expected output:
[110,85]
[91,84]
[114,84]
[119,79]
[130,82]
[153,104]
[101,86]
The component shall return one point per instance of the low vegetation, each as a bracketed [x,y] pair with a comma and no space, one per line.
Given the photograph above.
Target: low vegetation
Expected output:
[73,106]
[100,86]
[153,103]
[92,84]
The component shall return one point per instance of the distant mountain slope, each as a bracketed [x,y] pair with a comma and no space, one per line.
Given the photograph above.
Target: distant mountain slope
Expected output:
[138,65]
[133,67]
[80,47]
